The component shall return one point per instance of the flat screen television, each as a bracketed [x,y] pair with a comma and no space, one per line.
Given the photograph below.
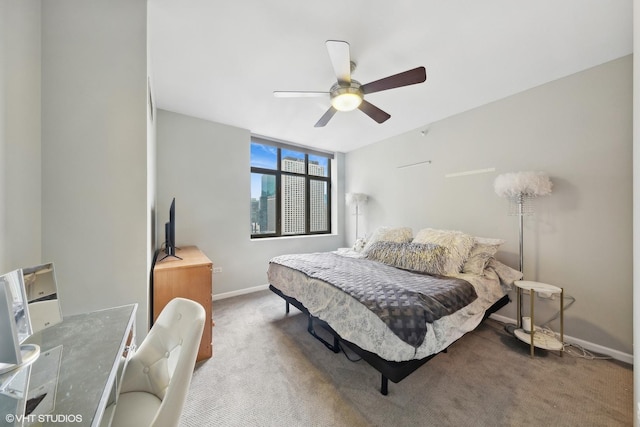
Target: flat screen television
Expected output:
[170,232]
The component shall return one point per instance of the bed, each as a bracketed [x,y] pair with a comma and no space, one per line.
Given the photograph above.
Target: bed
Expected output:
[400,300]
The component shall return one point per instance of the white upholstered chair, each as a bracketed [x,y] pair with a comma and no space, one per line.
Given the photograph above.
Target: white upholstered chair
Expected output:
[157,377]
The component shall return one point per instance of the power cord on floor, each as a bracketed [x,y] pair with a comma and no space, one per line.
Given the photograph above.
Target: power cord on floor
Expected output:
[576,350]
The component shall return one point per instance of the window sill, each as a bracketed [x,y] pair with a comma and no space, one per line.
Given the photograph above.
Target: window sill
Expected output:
[306,236]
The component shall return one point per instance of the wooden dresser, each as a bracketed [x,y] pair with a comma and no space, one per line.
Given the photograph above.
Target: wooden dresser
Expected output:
[189,277]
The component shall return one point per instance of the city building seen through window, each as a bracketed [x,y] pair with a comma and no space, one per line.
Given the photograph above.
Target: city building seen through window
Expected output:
[290,190]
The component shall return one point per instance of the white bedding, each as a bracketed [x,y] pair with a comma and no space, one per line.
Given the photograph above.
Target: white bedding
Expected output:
[355,323]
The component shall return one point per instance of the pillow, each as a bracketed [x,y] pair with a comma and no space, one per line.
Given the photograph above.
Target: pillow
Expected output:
[389,234]
[385,252]
[481,252]
[423,258]
[458,244]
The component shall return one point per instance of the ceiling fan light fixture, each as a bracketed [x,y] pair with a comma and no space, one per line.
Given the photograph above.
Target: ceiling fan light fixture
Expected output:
[346,98]
[348,94]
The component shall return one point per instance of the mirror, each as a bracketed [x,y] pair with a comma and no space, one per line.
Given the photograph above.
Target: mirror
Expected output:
[13,394]
[44,382]
[16,294]
[42,296]
[10,318]
[15,324]
[28,303]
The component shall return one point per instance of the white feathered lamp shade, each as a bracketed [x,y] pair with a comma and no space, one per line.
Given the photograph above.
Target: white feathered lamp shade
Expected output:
[520,188]
[527,184]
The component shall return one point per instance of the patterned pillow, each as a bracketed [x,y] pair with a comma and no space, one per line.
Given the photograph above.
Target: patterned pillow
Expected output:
[359,244]
[480,254]
[423,258]
[389,234]
[459,245]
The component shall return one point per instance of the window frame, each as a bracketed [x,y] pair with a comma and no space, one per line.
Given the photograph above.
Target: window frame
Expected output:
[279,173]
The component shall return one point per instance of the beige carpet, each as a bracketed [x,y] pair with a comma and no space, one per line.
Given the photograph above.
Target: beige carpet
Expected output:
[268,371]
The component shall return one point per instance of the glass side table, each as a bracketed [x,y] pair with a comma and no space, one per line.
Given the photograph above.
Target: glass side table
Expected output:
[538,338]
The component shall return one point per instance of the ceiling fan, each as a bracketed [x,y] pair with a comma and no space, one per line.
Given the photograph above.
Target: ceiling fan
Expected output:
[348,94]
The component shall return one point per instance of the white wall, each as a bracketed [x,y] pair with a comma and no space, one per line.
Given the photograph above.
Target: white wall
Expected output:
[20,162]
[94,153]
[151,171]
[3,137]
[636,209]
[577,129]
[206,167]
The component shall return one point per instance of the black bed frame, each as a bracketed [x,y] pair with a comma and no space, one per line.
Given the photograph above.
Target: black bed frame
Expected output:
[394,371]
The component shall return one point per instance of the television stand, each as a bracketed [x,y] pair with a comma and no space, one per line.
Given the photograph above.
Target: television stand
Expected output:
[170,254]
[166,255]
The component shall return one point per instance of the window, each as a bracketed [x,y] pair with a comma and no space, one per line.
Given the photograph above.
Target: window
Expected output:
[290,190]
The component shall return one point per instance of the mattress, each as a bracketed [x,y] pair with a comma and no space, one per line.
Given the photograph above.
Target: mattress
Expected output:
[357,324]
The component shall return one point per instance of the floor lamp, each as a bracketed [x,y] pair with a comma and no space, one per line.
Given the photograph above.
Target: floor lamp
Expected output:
[520,188]
[356,199]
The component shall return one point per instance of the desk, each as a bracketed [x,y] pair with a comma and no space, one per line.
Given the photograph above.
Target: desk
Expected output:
[91,357]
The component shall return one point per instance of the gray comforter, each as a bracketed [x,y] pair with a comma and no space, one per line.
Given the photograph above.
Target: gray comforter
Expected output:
[403,300]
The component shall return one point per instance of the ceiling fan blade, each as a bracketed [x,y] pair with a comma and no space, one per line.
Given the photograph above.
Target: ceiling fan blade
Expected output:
[411,77]
[326,117]
[374,112]
[340,59]
[297,94]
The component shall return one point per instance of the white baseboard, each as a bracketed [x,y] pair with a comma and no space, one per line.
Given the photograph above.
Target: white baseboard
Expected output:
[597,348]
[225,295]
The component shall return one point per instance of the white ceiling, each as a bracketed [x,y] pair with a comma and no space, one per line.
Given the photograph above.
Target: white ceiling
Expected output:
[222,60]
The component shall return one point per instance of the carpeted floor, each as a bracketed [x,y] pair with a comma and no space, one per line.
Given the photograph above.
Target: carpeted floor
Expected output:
[268,371]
